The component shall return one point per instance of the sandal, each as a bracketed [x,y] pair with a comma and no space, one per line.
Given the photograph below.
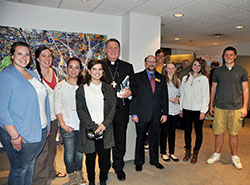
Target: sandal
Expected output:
[60,174]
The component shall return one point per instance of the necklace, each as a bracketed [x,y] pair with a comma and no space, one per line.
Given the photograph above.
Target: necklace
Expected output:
[113,76]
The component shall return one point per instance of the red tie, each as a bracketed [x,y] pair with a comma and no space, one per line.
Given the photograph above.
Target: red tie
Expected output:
[152,82]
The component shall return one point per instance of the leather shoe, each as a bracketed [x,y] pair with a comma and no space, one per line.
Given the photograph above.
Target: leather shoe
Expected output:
[174,159]
[121,176]
[138,167]
[158,165]
[165,159]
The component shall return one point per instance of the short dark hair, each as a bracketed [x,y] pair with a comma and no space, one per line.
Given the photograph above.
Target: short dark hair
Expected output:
[113,40]
[158,51]
[74,58]
[229,48]
[20,43]
[16,44]
[146,58]
[91,63]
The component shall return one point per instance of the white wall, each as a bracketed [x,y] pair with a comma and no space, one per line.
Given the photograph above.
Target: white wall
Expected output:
[38,17]
[144,37]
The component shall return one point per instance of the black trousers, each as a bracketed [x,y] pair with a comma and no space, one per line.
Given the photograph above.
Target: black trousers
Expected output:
[168,133]
[103,161]
[153,129]
[189,117]
[119,150]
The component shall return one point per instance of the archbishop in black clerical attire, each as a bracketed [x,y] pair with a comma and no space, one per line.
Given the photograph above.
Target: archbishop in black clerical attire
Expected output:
[117,70]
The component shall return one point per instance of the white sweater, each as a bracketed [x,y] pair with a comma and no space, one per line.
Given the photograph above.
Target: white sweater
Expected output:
[195,93]
[65,103]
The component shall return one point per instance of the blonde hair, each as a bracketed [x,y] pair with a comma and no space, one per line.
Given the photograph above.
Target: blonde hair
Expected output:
[175,79]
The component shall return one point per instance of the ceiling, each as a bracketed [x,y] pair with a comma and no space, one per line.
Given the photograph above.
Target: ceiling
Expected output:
[202,20]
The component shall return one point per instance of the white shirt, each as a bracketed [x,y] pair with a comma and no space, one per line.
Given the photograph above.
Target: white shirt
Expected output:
[41,94]
[173,92]
[95,102]
[65,103]
[51,97]
[195,93]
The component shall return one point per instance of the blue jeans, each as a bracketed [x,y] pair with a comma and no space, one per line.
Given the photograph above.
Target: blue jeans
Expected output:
[21,162]
[72,158]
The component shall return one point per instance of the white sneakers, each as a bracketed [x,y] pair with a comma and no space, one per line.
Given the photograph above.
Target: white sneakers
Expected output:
[216,157]
[236,162]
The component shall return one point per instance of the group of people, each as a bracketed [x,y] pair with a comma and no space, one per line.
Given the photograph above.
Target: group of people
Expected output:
[92,111]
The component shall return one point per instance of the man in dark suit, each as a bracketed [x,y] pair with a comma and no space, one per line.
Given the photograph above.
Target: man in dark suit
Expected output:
[149,109]
[117,70]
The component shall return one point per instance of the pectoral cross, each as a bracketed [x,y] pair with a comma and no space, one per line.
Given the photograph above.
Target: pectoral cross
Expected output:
[114,84]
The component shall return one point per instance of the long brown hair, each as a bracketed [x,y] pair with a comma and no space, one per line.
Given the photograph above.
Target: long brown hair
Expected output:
[37,55]
[175,79]
[202,62]
[80,76]
[87,77]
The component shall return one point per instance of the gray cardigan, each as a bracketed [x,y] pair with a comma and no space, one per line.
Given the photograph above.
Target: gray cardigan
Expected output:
[86,145]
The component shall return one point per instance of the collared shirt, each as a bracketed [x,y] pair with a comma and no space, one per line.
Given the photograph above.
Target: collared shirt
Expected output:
[229,93]
[149,74]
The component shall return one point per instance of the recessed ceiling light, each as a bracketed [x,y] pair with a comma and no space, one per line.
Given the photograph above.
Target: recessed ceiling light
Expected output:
[215,43]
[85,0]
[178,15]
[239,27]
[177,38]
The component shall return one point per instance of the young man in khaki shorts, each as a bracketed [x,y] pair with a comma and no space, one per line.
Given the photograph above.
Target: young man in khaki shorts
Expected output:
[228,104]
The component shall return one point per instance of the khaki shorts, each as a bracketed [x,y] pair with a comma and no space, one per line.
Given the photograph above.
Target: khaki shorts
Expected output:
[224,119]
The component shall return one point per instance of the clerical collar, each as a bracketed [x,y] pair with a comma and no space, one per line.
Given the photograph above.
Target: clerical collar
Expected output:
[112,63]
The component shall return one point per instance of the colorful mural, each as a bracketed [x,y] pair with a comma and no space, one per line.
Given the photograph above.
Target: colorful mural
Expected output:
[64,45]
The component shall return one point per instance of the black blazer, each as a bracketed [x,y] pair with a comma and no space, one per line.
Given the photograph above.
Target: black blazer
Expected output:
[148,105]
[124,69]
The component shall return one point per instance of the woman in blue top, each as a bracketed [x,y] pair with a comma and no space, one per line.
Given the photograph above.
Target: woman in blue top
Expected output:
[24,115]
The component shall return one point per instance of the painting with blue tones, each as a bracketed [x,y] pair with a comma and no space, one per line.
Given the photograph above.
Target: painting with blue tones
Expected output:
[64,45]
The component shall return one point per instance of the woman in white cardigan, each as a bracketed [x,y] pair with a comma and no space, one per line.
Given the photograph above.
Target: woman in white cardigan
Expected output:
[45,167]
[65,107]
[194,105]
